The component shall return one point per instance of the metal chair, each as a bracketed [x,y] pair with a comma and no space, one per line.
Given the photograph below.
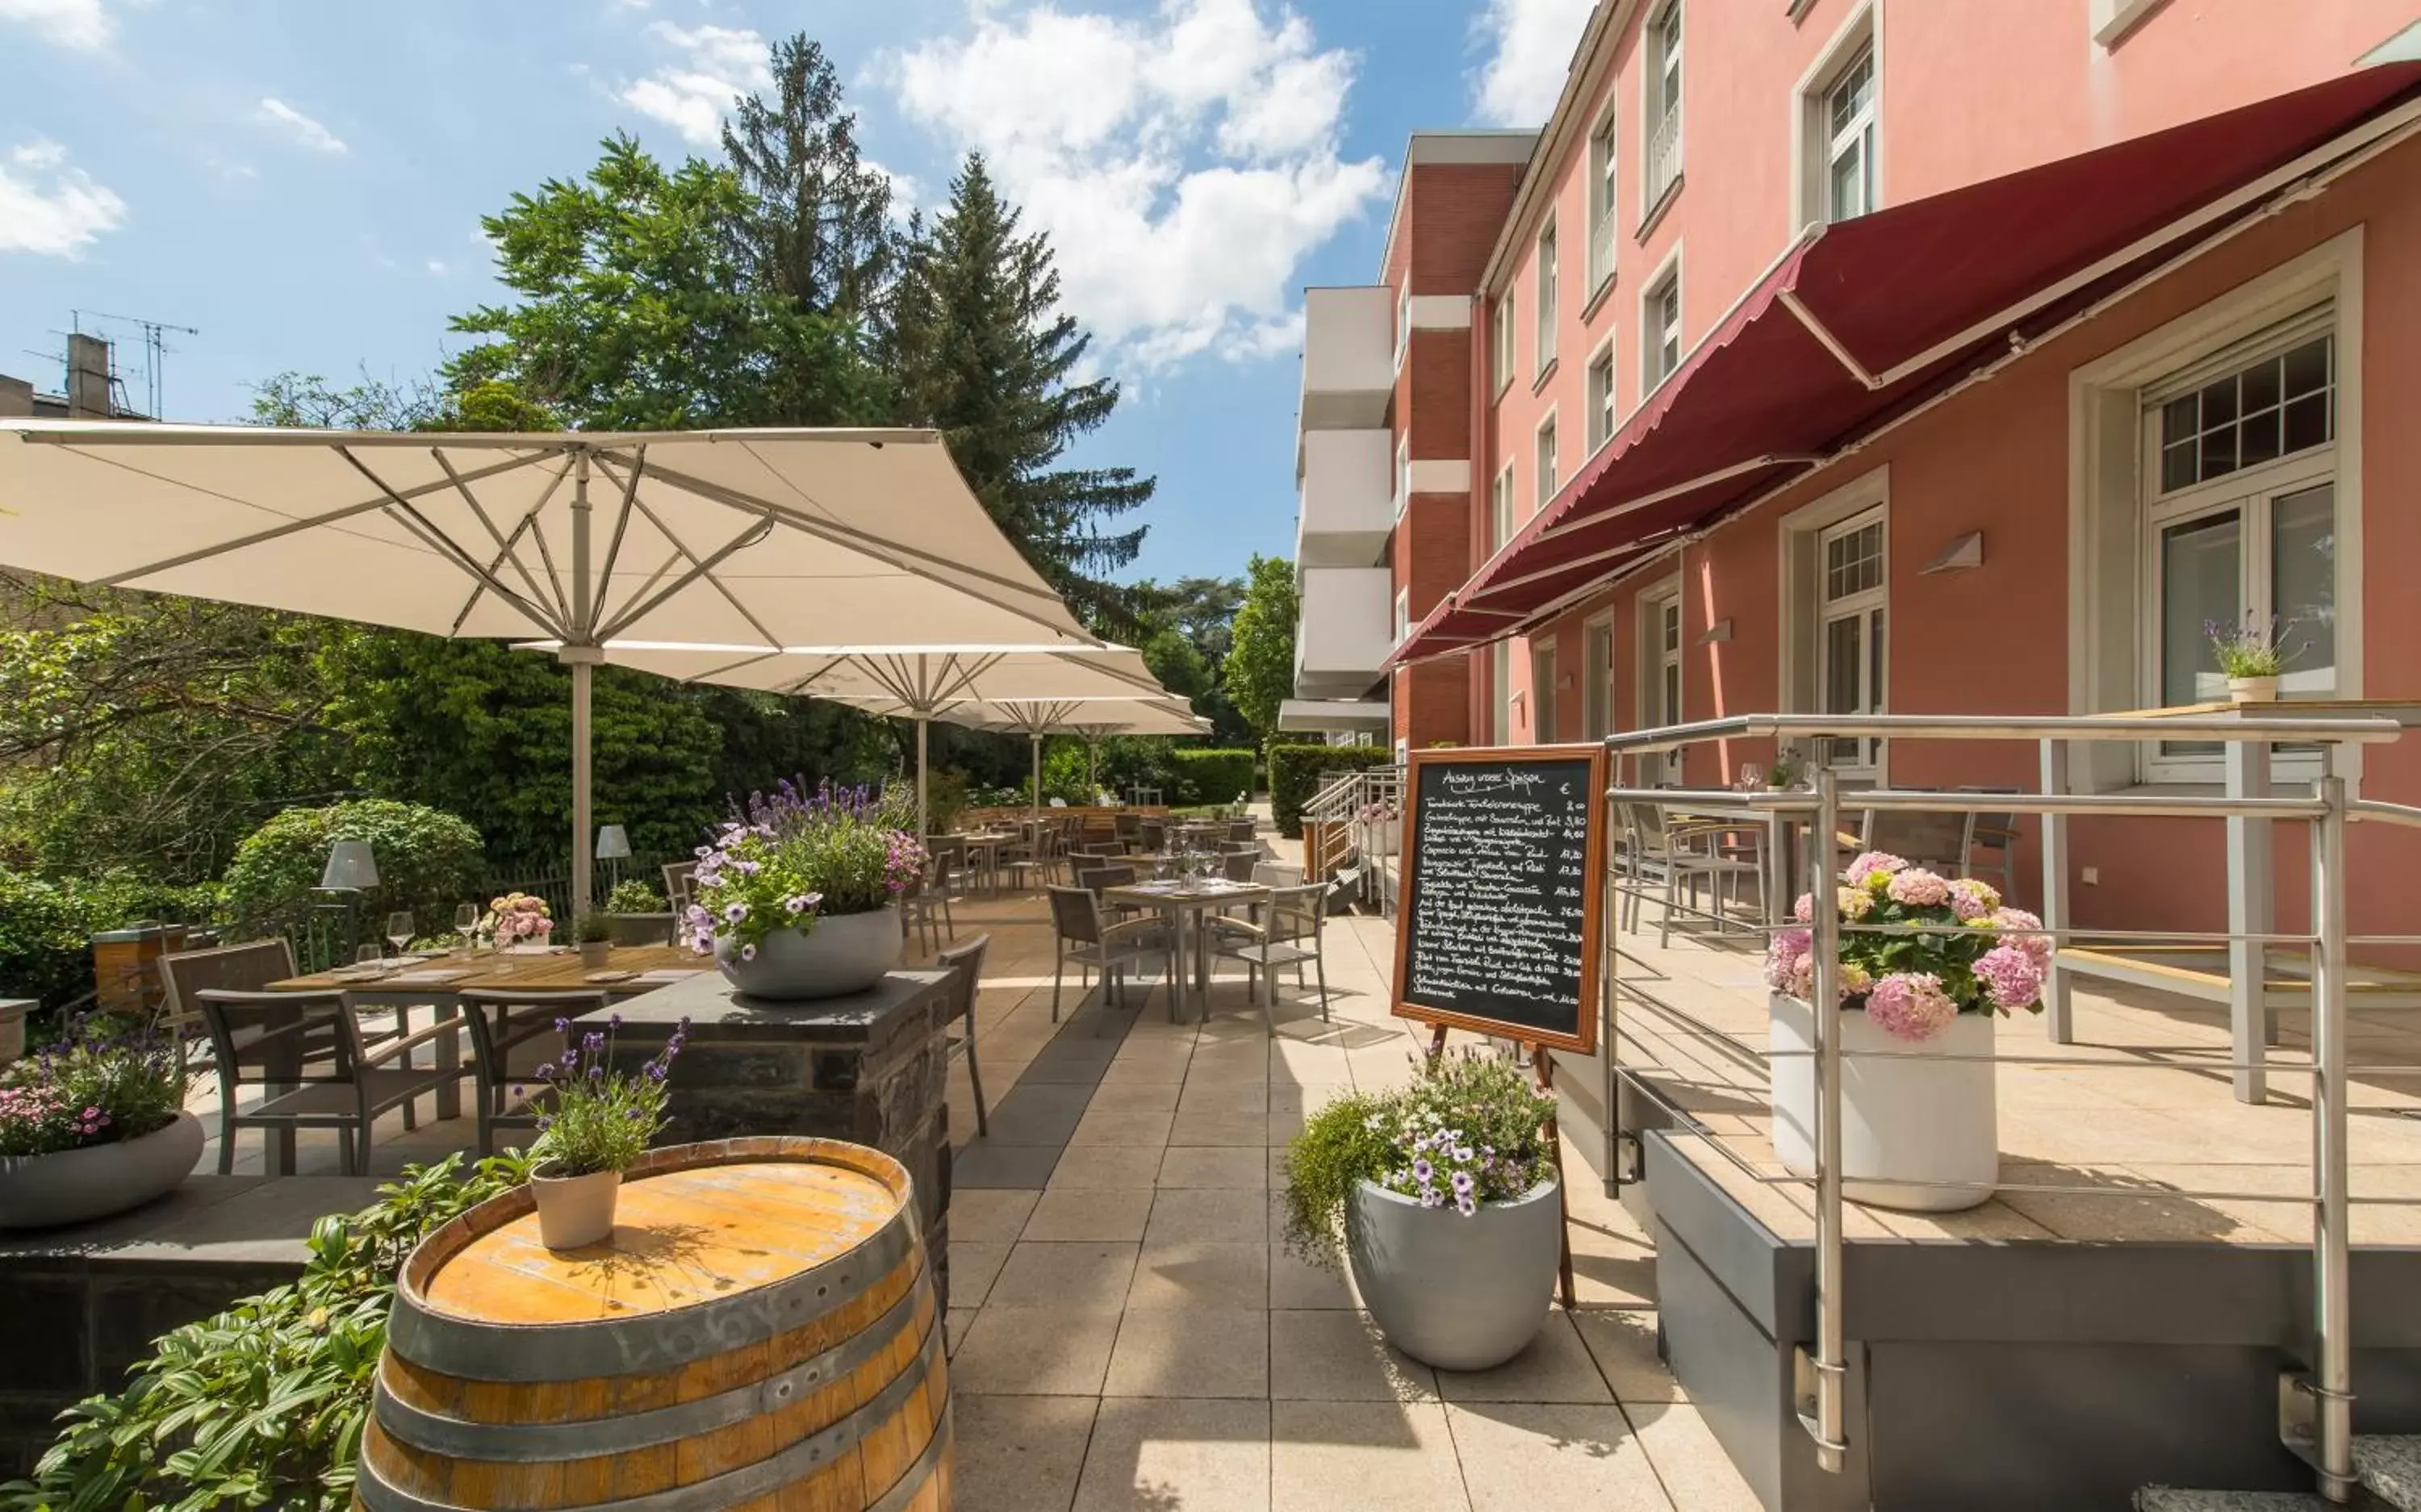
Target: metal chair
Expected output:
[1243,832]
[680,890]
[1129,830]
[1290,936]
[1935,841]
[930,896]
[1154,832]
[1237,865]
[1995,834]
[965,965]
[305,1051]
[1674,853]
[1278,874]
[1094,944]
[519,1018]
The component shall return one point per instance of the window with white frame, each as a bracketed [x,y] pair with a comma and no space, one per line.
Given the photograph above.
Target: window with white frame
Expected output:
[1403,322]
[1500,510]
[1549,479]
[1500,677]
[1548,283]
[1543,713]
[1664,100]
[1659,669]
[1596,693]
[1601,396]
[1500,341]
[1850,108]
[1403,614]
[1660,329]
[2241,521]
[1604,161]
[1403,474]
[1853,588]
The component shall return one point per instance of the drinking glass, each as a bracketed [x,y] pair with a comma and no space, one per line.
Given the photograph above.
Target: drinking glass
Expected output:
[399,929]
[466,924]
[366,955]
[1752,776]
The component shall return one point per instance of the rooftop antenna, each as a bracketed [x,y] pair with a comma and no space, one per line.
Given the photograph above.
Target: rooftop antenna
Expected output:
[155,351]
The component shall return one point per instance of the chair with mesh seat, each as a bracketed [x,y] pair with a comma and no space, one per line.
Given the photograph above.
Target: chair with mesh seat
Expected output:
[680,885]
[305,1053]
[499,1019]
[965,965]
[1289,934]
[1084,936]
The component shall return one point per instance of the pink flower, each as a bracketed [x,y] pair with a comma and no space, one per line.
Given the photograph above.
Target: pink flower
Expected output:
[1804,910]
[1872,863]
[1784,958]
[1917,889]
[1911,1006]
[1857,903]
[1971,899]
[2013,976]
[2027,927]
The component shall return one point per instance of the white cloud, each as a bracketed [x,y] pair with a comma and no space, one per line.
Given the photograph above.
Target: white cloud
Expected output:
[79,23]
[1529,45]
[1184,164]
[302,128]
[49,208]
[436,268]
[907,194]
[716,64]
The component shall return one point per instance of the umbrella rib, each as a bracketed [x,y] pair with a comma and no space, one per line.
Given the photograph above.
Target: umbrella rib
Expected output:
[405,513]
[504,543]
[682,547]
[800,686]
[554,579]
[965,674]
[289,527]
[700,568]
[621,524]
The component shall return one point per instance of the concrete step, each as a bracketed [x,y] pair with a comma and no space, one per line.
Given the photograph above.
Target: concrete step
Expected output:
[2170,1499]
[2390,1465]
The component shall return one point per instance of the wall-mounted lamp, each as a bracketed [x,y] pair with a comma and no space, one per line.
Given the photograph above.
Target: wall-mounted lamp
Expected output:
[1715,633]
[1962,554]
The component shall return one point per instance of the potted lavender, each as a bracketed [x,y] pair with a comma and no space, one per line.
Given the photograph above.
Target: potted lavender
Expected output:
[798,897]
[2251,657]
[92,1127]
[1442,1190]
[597,1125]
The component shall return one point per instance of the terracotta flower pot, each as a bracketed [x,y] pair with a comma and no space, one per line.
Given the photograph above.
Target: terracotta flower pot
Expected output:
[574,1211]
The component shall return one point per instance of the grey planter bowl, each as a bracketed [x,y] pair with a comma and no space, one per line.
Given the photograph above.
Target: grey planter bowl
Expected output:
[99,1180]
[846,953]
[1457,1293]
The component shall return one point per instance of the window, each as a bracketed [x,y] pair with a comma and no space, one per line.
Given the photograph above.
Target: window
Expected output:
[1664,162]
[1601,396]
[1547,285]
[1597,694]
[1500,510]
[1403,322]
[1849,111]
[1403,474]
[1500,677]
[1660,332]
[1850,630]
[1500,340]
[1548,479]
[1403,614]
[2242,525]
[1543,728]
[1660,680]
[1603,159]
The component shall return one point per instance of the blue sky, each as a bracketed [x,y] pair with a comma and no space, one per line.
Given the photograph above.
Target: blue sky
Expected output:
[302,181]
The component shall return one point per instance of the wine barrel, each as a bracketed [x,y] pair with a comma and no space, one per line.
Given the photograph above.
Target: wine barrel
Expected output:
[760,1333]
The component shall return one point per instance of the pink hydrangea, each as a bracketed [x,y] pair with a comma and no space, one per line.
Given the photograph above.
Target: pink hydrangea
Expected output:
[1784,958]
[1971,899]
[1911,1006]
[1873,864]
[2027,929]
[1917,889]
[1857,903]
[1804,910]
[2011,975]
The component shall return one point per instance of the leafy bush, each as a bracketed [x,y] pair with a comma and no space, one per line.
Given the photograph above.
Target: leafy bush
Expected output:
[427,860]
[1471,1131]
[633,895]
[264,1404]
[1141,760]
[1211,776]
[46,927]
[1298,772]
[946,799]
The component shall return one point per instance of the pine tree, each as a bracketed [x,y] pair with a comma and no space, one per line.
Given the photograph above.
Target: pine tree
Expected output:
[816,228]
[981,351]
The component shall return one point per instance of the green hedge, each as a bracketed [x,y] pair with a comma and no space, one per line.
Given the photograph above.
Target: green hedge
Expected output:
[1210,776]
[46,927]
[427,860]
[1298,772]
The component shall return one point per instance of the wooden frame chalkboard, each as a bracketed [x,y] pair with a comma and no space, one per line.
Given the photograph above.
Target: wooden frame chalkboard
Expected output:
[1566,784]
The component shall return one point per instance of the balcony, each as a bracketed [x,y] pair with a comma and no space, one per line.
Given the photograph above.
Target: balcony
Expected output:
[1664,159]
[1347,507]
[1349,357]
[1345,632]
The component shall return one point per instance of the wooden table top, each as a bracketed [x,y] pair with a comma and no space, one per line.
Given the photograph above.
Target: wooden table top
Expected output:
[555,971]
[1205,894]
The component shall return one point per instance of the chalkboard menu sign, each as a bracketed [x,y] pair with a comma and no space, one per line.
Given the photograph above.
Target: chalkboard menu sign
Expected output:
[1496,931]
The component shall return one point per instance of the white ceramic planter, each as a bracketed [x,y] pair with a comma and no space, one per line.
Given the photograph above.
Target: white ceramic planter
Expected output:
[846,953]
[1902,1121]
[1384,834]
[575,1211]
[2252,690]
[99,1180]
[1455,1292]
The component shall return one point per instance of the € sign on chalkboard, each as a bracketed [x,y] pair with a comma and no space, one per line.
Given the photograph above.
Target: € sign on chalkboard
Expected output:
[1496,928]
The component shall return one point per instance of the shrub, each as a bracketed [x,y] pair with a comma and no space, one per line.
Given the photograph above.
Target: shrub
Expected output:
[1211,776]
[264,1404]
[631,895]
[46,927]
[1297,772]
[427,860]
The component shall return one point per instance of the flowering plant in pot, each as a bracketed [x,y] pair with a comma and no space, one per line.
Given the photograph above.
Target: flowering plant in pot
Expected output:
[594,934]
[798,897]
[1926,962]
[1380,815]
[596,1126]
[93,1125]
[517,919]
[2251,657]
[1444,1187]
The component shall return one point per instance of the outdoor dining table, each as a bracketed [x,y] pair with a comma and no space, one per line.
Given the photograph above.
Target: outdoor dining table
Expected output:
[1188,904]
[983,854]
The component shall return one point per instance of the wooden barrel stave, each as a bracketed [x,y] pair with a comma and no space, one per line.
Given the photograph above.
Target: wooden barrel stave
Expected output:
[848,1409]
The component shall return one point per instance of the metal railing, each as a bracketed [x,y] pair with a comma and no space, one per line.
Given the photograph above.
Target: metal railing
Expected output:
[1664,157]
[1344,801]
[2247,807]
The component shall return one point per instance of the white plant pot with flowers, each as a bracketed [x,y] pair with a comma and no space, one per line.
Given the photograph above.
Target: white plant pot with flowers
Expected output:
[93,1127]
[1380,825]
[799,899]
[597,1123]
[1928,964]
[517,921]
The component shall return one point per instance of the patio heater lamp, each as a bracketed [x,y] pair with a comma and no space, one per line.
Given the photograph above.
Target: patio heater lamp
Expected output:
[613,845]
[352,870]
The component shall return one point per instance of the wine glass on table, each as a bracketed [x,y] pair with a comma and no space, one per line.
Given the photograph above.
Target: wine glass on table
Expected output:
[399,929]
[466,926]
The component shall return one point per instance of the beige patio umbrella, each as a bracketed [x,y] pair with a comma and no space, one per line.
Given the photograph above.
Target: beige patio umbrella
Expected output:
[766,539]
[1093,718]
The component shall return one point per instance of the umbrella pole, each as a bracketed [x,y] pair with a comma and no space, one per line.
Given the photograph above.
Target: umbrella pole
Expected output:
[924,826]
[583,839]
[1036,811]
[1092,779]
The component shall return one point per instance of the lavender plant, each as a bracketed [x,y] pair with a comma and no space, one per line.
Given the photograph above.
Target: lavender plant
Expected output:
[601,1118]
[787,860]
[92,1089]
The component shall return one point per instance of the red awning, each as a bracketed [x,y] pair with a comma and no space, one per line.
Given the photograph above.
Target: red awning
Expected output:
[1860,321]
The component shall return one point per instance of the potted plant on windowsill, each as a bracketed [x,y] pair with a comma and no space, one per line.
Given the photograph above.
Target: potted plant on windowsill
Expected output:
[2252,657]
[799,897]
[597,1125]
[1925,965]
[92,1126]
[1442,1198]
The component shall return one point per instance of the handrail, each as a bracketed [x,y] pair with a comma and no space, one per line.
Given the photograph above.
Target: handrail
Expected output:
[2267,728]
